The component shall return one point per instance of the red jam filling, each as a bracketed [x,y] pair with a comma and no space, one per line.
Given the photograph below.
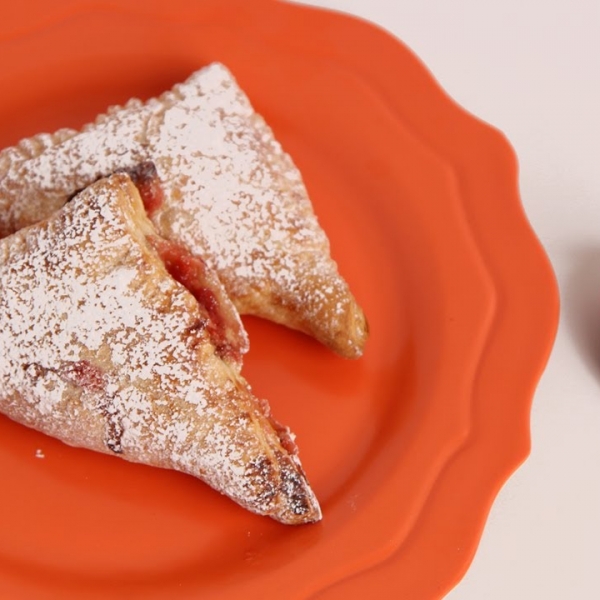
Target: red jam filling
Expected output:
[146,180]
[189,270]
[185,268]
[285,437]
[83,374]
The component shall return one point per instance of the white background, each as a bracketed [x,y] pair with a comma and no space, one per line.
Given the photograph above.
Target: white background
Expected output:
[532,69]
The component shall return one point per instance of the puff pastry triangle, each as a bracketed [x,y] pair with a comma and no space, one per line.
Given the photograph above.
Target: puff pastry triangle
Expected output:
[102,348]
[232,196]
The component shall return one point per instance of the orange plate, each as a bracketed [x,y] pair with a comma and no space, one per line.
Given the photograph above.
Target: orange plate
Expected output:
[406,447]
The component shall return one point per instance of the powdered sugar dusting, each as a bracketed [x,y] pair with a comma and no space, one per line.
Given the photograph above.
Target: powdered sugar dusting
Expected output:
[52,321]
[101,348]
[233,196]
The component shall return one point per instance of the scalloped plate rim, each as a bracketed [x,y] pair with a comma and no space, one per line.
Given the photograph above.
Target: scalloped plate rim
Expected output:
[542,362]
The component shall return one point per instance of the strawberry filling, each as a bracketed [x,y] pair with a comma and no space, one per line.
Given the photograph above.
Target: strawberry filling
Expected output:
[146,180]
[83,374]
[189,270]
[184,267]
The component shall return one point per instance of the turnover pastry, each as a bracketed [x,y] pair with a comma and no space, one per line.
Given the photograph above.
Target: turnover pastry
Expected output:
[102,348]
[232,195]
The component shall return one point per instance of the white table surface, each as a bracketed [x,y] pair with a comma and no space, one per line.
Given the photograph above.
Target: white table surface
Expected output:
[532,69]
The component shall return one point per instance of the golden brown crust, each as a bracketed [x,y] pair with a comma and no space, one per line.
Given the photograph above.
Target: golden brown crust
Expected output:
[102,349]
[233,196]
